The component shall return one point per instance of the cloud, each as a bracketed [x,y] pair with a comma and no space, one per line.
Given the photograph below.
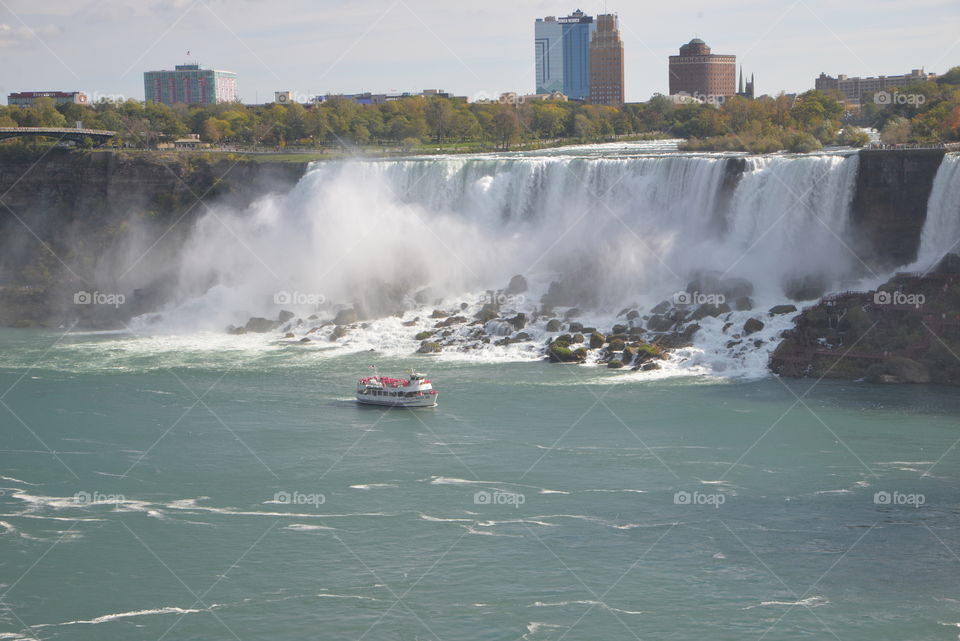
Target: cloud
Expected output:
[11,36]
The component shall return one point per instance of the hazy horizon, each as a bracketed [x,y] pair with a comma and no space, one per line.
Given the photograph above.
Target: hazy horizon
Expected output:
[410,45]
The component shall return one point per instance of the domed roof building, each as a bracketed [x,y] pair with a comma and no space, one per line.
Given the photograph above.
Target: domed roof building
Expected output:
[703,75]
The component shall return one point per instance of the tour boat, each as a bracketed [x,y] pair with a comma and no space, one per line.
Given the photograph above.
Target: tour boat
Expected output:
[397,392]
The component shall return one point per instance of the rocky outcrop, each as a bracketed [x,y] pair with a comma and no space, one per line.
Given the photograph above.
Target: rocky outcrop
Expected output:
[908,331]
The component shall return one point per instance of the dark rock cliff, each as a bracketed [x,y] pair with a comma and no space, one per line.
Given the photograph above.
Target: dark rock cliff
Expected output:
[108,221]
[890,204]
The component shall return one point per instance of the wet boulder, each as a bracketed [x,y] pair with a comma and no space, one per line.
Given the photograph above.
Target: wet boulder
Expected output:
[260,325]
[452,320]
[519,321]
[518,285]
[705,310]
[346,316]
[752,326]
[560,352]
[661,307]
[743,304]
[429,347]
[782,309]
[658,323]
[556,296]
[488,312]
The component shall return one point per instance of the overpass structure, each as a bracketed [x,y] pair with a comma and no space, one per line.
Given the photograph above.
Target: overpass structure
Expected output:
[98,136]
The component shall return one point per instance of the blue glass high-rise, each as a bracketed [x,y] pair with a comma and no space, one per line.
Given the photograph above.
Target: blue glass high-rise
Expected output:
[577,31]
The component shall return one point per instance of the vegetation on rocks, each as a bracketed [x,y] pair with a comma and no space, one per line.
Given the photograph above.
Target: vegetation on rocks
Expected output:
[908,331]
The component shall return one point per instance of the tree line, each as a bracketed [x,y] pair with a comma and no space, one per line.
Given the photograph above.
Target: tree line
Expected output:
[798,123]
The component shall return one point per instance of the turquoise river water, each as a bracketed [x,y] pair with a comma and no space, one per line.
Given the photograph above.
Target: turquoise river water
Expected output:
[156,490]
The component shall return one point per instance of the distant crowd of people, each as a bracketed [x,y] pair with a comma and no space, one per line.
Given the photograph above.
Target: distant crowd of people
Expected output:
[907,145]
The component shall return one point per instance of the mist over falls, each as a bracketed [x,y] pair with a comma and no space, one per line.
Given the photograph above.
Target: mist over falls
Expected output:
[611,231]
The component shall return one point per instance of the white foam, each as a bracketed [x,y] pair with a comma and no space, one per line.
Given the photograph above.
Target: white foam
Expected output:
[436,519]
[809,602]
[106,618]
[601,604]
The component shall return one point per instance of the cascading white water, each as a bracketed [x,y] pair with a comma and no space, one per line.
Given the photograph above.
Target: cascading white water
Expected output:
[941,230]
[617,230]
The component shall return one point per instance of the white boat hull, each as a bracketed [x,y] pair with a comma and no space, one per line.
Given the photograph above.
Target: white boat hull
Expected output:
[427,400]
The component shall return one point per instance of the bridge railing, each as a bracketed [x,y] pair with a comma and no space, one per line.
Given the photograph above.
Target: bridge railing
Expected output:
[56,131]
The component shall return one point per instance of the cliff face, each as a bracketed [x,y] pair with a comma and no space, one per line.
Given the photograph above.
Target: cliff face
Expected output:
[890,204]
[117,183]
[108,222]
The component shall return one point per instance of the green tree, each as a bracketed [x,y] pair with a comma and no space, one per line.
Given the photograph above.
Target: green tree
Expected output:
[439,114]
[506,126]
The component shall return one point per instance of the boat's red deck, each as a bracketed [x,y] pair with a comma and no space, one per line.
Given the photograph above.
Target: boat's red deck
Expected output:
[389,382]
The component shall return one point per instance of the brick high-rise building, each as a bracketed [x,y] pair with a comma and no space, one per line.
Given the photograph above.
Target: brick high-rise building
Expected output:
[702,74]
[606,62]
[190,85]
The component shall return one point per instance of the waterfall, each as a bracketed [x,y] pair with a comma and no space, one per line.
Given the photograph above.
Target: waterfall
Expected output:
[941,230]
[615,230]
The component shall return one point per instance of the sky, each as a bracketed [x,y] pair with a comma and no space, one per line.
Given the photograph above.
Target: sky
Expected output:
[474,49]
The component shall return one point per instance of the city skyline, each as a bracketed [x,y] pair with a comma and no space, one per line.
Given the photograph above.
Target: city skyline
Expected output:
[334,47]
